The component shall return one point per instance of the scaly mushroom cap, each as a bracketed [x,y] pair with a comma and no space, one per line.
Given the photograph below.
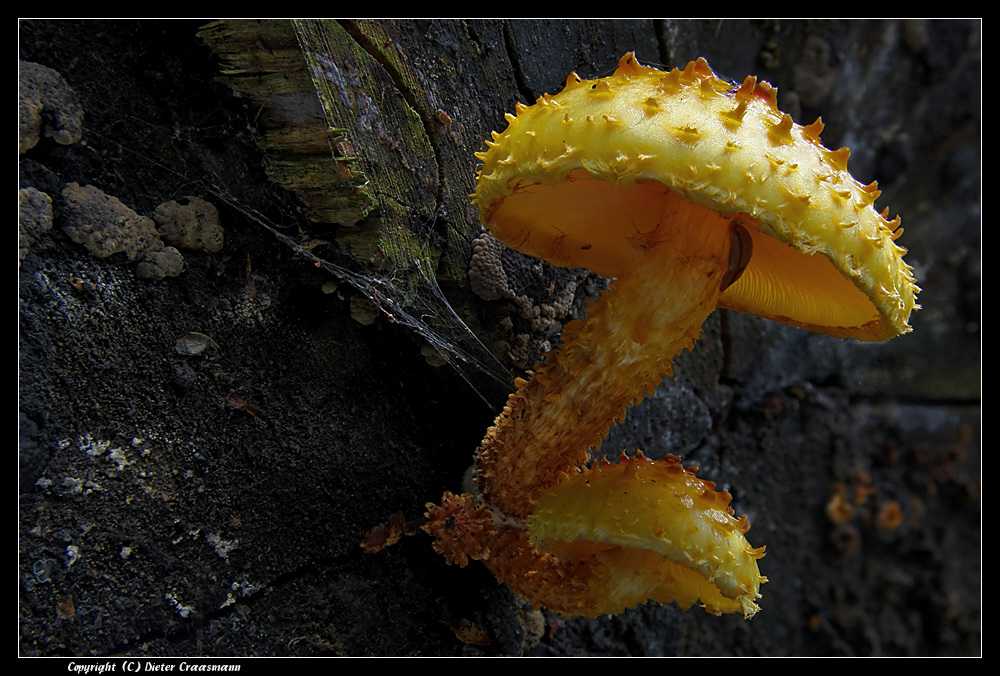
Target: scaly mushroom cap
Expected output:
[666,535]
[579,177]
[612,537]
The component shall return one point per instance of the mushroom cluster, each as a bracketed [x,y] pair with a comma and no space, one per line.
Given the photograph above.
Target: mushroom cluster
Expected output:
[690,193]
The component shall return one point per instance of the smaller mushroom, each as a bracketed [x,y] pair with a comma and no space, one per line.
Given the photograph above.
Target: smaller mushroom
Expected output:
[691,194]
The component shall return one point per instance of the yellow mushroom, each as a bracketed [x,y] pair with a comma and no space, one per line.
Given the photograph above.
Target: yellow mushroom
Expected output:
[691,194]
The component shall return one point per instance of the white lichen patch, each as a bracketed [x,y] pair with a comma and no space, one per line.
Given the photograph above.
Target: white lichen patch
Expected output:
[117,455]
[93,447]
[74,485]
[183,610]
[243,588]
[222,547]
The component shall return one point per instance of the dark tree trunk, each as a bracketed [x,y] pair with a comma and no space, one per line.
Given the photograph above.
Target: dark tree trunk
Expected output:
[184,495]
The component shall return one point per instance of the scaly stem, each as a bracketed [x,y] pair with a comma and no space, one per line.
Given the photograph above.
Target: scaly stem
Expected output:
[607,363]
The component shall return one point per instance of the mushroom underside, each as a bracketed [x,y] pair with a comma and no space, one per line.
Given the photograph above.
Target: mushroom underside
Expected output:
[578,222]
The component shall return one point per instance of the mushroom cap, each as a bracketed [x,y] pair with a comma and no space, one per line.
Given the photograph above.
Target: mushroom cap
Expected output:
[665,533]
[579,177]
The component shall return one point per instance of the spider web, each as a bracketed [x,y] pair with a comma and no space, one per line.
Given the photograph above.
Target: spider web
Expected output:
[410,297]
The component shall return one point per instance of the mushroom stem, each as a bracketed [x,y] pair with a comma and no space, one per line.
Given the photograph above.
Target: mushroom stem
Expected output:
[653,311]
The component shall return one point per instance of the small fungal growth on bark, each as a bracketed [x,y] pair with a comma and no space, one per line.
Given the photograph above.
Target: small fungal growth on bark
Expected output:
[191,223]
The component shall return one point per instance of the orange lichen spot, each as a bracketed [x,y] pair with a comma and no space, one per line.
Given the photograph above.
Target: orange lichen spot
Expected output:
[239,401]
[862,491]
[384,534]
[443,117]
[467,632]
[838,508]
[890,516]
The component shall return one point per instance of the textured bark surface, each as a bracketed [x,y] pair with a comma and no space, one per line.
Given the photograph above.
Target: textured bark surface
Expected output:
[187,497]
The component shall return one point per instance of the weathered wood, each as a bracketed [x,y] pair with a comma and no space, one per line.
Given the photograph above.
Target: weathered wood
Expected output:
[263,61]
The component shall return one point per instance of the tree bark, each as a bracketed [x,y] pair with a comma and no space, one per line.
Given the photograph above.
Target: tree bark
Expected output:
[187,497]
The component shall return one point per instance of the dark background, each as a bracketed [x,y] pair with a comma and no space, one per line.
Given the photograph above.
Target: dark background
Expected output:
[230,530]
